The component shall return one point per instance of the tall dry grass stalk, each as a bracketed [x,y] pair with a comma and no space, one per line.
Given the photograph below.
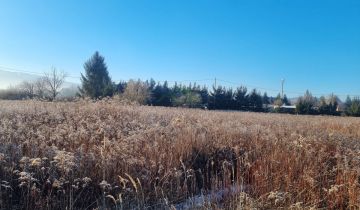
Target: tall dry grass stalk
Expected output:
[102,154]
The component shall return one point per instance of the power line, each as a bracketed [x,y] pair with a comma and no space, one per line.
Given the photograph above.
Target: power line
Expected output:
[291,92]
[247,85]
[180,81]
[16,70]
[29,72]
[282,88]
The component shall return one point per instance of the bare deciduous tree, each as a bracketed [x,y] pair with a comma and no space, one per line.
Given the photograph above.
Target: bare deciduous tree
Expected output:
[53,81]
[28,88]
[136,91]
[40,88]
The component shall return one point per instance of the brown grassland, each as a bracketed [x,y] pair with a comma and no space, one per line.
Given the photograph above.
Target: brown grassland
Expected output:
[108,155]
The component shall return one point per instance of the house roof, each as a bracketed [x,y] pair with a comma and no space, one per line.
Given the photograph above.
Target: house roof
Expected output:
[288,106]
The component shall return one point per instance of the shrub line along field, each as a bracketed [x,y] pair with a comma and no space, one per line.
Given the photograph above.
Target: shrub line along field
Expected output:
[108,155]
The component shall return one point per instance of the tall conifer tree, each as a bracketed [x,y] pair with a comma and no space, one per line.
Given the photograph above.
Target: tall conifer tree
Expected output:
[96,82]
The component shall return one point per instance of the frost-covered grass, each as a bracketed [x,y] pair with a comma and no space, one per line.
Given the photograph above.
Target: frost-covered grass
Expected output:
[107,155]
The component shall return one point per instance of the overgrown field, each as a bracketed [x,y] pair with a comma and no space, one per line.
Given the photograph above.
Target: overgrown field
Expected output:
[105,155]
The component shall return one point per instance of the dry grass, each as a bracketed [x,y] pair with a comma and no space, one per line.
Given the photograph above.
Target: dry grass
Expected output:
[85,155]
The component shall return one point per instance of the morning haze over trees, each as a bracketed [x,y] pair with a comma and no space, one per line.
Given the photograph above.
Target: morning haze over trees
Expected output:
[96,83]
[46,87]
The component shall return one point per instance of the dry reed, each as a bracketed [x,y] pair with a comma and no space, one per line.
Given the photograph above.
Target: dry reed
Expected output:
[87,155]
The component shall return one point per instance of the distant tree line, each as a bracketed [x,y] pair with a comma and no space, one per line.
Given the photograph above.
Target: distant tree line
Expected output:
[331,105]
[96,84]
[352,106]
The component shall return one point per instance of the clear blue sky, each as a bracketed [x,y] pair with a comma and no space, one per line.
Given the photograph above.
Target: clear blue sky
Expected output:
[313,44]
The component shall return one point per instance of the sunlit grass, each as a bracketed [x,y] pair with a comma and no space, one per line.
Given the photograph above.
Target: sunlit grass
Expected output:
[104,154]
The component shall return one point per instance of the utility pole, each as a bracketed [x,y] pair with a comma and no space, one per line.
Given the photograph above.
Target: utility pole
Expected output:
[215,95]
[282,88]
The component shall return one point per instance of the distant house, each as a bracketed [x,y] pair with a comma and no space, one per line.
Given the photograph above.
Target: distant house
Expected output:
[288,106]
[284,108]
